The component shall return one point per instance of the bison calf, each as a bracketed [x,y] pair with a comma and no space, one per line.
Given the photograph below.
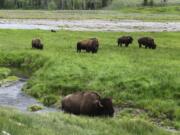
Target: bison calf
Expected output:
[125,40]
[36,43]
[147,42]
[90,45]
[87,103]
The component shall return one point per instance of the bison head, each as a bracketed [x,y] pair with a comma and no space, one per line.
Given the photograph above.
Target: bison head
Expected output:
[107,107]
[41,46]
[154,46]
[130,39]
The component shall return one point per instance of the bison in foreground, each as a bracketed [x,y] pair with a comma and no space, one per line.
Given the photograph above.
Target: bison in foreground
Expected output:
[147,42]
[90,45]
[36,43]
[87,103]
[125,40]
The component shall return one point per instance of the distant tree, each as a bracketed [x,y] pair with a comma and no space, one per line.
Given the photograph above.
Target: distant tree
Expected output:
[52,5]
[145,2]
[163,2]
[55,4]
[2,3]
[151,3]
[9,4]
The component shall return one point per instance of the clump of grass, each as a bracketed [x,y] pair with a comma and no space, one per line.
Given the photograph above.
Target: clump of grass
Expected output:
[50,100]
[34,108]
[4,72]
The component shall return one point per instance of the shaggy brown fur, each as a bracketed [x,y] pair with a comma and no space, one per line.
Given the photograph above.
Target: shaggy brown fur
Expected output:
[36,43]
[147,42]
[87,103]
[125,40]
[90,45]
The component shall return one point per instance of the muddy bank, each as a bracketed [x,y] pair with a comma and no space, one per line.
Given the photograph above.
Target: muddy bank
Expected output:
[90,25]
[12,96]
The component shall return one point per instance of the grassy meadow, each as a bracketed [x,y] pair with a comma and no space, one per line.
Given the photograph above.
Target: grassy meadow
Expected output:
[144,79]
[156,13]
[15,123]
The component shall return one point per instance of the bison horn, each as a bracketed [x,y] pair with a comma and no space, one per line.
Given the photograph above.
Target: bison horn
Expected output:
[98,103]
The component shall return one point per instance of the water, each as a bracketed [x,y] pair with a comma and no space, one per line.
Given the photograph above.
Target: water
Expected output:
[12,96]
[90,25]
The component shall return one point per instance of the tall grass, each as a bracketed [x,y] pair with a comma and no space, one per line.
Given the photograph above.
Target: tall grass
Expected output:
[15,123]
[159,13]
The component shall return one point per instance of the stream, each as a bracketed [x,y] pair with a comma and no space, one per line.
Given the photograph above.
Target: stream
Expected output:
[12,96]
[90,25]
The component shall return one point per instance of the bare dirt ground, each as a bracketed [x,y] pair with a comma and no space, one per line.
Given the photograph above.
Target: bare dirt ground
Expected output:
[90,25]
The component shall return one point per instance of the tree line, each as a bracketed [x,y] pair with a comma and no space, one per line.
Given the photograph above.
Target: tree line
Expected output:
[54,4]
[62,4]
[151,2]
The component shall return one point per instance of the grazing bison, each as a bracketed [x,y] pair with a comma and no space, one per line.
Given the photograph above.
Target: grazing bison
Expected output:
[147,42]
[125,40]
[90,45]
[53,31]
[87,103]
[36,43]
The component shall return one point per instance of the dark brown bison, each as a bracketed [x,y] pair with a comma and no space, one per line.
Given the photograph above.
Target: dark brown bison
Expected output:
[147,42]
[90,45]
[53,31]
[36,43]
[87,103]
[125,40]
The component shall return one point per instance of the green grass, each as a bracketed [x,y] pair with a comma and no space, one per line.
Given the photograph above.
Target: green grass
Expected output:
[4,72]
[159,13]
[6,76]
[16,123]
[138,78]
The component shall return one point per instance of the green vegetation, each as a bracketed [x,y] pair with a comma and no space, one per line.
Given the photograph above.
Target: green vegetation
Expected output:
[59,123]
[53,4]
[118,4]
[6,76]
[34,108]
[133,77]
[166,13]
[4,72]
[81,4]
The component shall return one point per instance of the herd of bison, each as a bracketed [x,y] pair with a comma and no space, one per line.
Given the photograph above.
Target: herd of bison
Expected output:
[92,44]
[90,103]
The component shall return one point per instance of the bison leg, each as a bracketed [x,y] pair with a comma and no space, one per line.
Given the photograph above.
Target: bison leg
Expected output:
[78,50]
[88,50]
[146,47]
[126,45]
[140,46]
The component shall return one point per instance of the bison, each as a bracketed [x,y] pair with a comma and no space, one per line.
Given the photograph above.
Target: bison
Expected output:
[87,103]
[36,43]
[52,30]
[147,42]
[125,40]
[90,45]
